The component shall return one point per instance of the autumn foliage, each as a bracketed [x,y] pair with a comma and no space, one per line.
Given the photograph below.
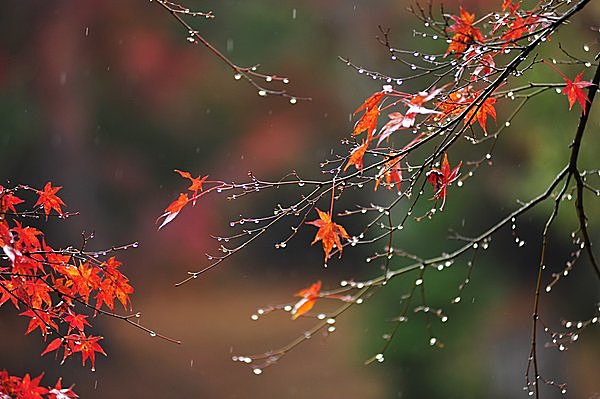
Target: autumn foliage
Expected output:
[403,139]
[57,290]
[421,137]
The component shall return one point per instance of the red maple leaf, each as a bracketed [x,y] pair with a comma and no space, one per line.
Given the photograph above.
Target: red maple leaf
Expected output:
[59,392]
[27,237]
[442,178]
[196,183]
[309,297]
[39,319]
[8,201]
[514,32]
[392,172]
[49,200]
[86,279]
[329,233]
[481,113]
[173,210]
[464,33]
[53,345]
[507,5]
[10,290]
[115,285]
[88,346]
[76,321]
[574,91]
[30,388]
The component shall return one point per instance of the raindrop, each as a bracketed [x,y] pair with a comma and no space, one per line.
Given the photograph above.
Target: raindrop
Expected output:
[432,341]
[254,317]
[257,371]
[152,334]
[262,93]
[293,100]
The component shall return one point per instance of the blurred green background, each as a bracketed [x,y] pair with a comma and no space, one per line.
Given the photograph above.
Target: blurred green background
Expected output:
[106,98]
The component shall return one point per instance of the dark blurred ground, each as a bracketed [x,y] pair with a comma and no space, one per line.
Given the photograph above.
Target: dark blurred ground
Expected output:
[107,98]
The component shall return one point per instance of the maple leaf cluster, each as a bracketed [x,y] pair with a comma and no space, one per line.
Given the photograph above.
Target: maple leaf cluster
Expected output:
[29,388]
[49,285]
[469,103]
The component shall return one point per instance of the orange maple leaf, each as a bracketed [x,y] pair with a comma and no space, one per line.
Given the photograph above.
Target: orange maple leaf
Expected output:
[356,157]
[329,233]
[49,200]
[309,297]
[85,279]
[368,122]
[370,102]
[196,183]
[173,210]
[487,108]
